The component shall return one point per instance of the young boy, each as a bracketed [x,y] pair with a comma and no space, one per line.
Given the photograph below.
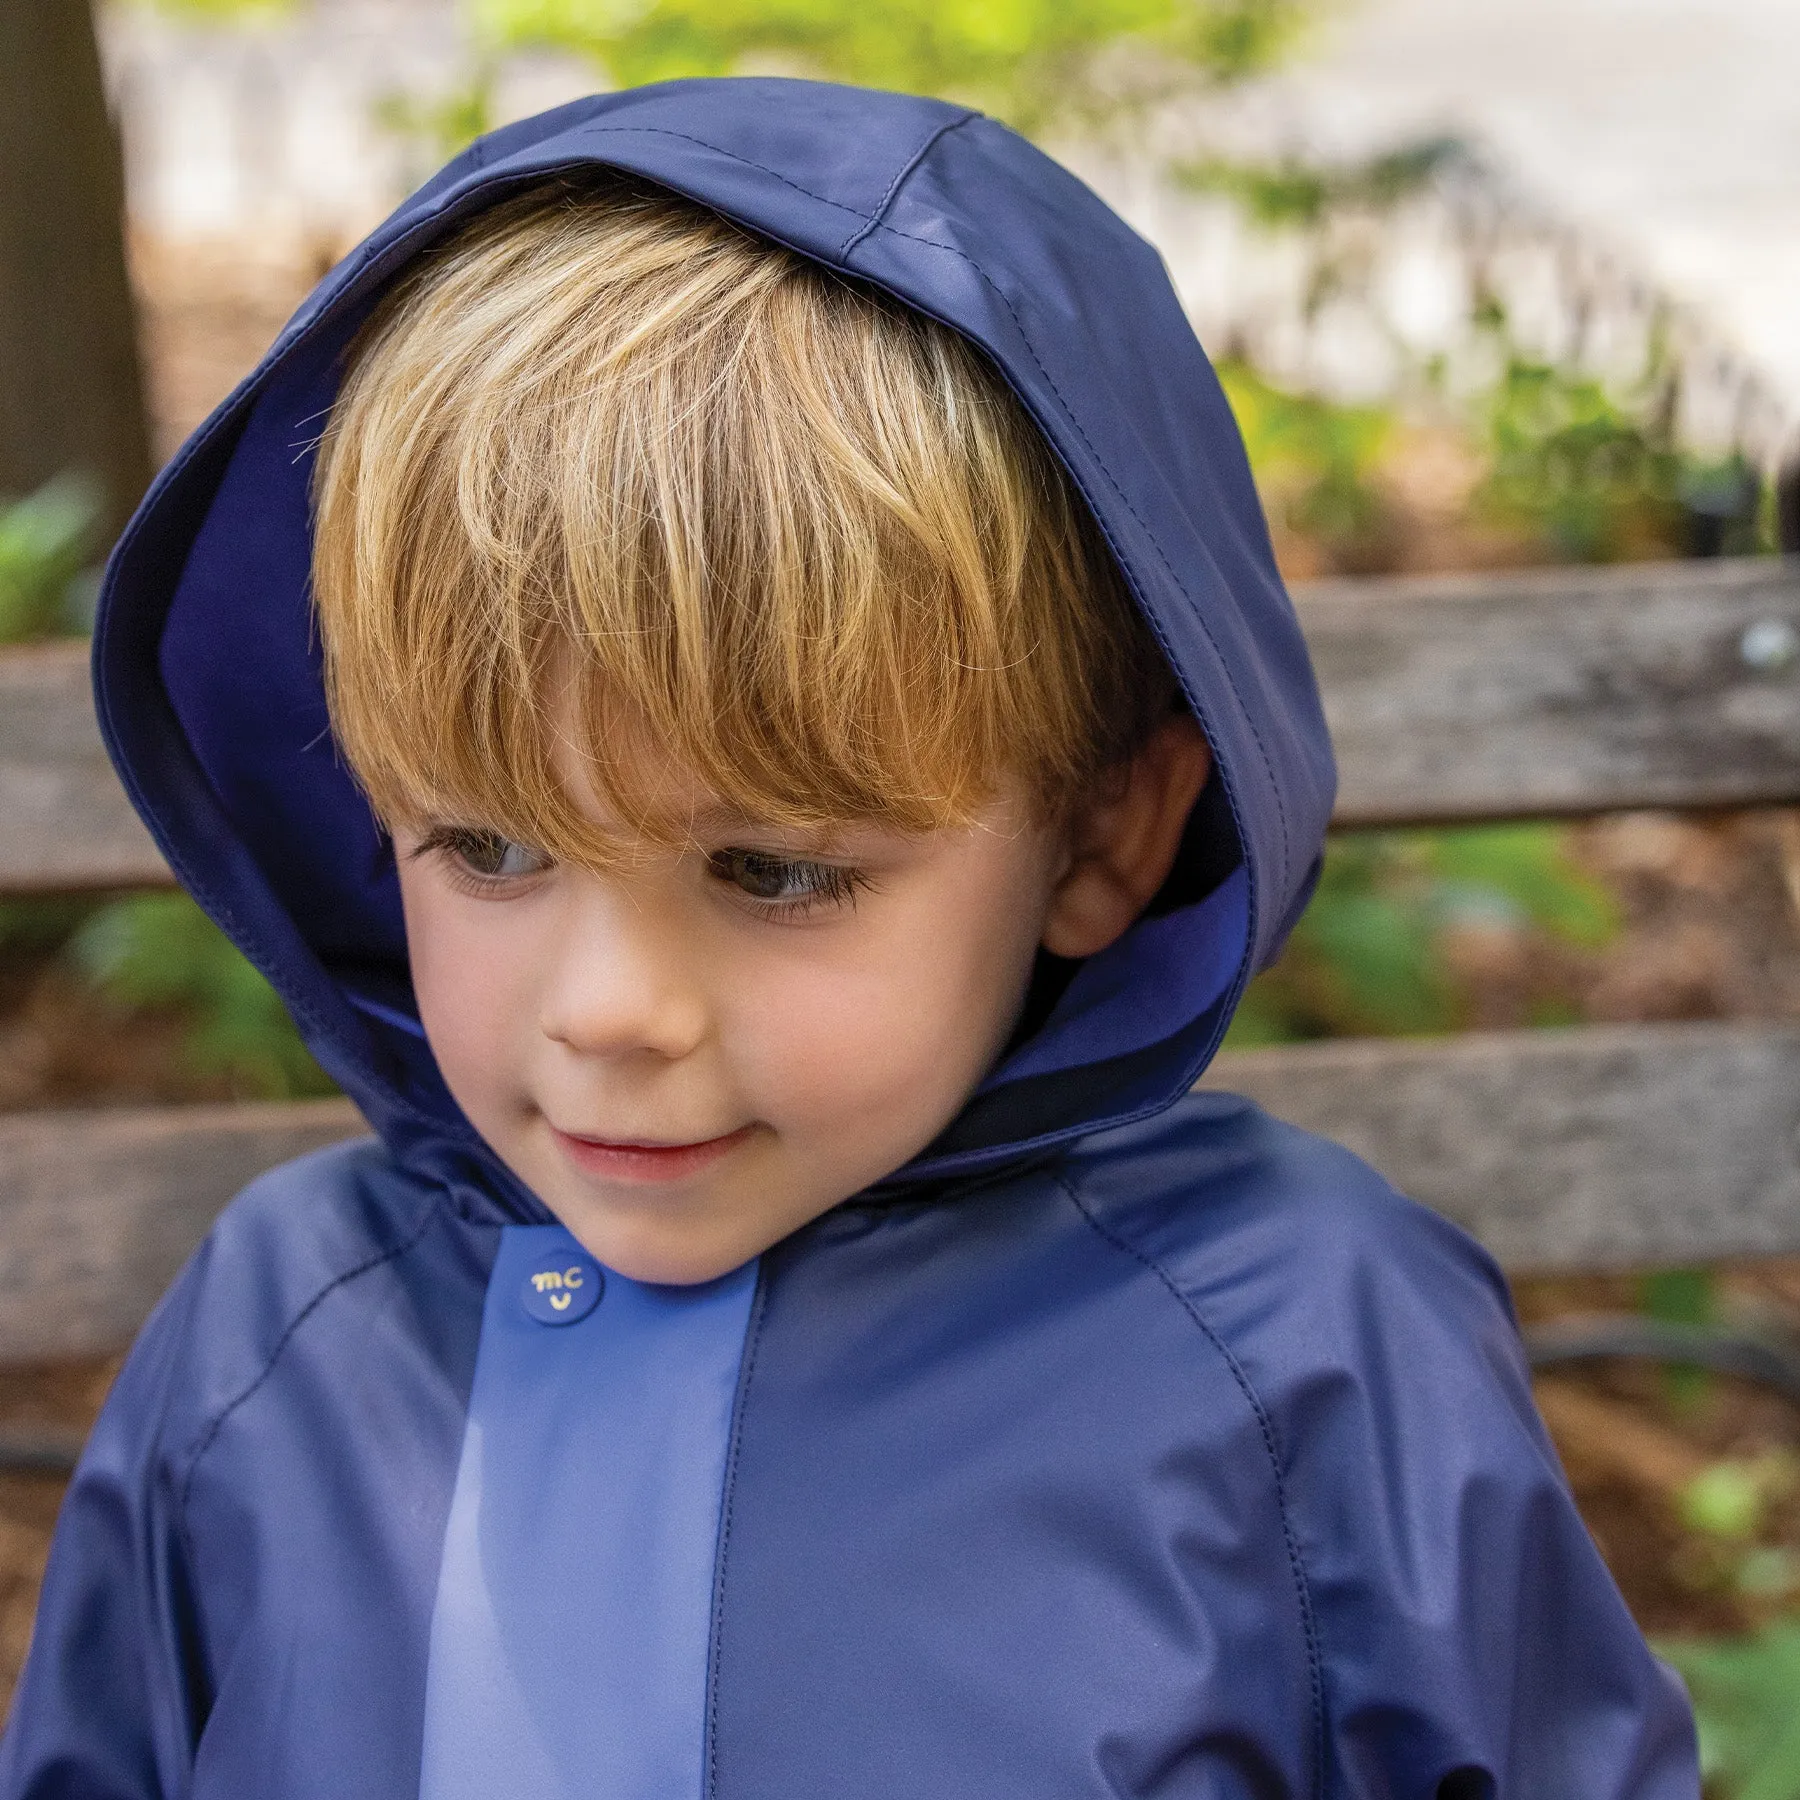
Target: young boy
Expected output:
[728,666]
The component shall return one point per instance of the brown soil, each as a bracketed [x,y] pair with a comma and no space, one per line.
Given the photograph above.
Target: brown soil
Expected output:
[1633,1439]
[63,1045]
[1710,910]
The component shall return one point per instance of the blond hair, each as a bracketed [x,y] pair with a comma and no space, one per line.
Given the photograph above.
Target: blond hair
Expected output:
[606,447]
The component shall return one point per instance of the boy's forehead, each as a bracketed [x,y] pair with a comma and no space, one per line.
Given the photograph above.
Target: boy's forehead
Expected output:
[606,741]
[601,741]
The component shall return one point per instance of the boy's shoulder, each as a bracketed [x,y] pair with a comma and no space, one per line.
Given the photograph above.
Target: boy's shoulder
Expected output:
[1215,1174]
[337,1224]
[309,1225]
[1304,1264]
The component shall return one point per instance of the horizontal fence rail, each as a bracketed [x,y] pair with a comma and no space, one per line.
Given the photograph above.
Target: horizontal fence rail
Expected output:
[1596,1147]
[99,1209]
[65,823]
[1560,692]
[1600,1147]
[1451,698]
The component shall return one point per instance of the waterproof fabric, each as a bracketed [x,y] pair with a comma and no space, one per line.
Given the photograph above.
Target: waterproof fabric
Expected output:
[1128,1443]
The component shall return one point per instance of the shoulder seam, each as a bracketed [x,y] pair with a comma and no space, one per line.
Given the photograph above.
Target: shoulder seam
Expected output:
[209,1433]
[1271,1447]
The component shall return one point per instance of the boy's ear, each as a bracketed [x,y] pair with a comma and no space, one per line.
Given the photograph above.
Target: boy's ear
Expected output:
[1122,845]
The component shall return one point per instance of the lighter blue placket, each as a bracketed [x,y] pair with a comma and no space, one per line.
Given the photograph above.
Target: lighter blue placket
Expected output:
[570,1635]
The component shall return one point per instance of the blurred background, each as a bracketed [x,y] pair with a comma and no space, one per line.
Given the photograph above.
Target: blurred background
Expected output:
[1490,283]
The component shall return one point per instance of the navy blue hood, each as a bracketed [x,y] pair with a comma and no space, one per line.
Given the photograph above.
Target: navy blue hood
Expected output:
[207,671]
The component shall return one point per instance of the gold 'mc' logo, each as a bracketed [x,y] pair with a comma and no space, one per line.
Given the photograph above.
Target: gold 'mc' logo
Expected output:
[547,1279]
[558,1285]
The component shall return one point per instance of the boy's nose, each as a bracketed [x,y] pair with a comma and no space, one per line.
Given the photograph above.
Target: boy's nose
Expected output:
[620,986]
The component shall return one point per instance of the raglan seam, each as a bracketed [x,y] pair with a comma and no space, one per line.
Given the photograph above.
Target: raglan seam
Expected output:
[1271,1446]
[902,175]
[1150,536]
[209,1433]
[727,1502]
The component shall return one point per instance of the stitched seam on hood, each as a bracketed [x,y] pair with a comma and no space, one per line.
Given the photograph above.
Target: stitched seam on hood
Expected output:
[717,150]
[1124,499]
[1303,1591]
[900,179]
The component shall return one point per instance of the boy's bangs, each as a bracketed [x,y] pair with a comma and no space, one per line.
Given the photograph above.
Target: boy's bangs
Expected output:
[620,504]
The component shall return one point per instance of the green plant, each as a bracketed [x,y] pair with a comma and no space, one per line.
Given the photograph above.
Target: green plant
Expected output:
[1594,477]
[1730,1499]
[221,11]
[435,127]
[160,951]
[1297,193]
[1595,471]
[46,550]
[1032,62]
[33,925]
[1681,1297]
[1367,957]
[1316,463]
[1745,1692]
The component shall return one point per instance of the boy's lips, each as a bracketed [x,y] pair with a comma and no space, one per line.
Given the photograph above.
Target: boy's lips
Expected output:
[644,1160]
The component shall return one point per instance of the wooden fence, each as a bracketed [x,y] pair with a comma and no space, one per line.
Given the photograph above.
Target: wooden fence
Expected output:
[1549,694]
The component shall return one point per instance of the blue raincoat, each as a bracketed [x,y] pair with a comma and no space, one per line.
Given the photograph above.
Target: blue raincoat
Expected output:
[1128,1443]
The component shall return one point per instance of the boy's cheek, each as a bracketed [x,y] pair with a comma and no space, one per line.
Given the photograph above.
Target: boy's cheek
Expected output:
[888,1051]
[471,988]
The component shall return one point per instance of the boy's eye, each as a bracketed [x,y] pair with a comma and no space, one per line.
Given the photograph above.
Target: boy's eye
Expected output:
[487,853]
[784,881]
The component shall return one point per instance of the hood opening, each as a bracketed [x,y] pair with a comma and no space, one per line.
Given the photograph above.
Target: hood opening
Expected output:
[210,688]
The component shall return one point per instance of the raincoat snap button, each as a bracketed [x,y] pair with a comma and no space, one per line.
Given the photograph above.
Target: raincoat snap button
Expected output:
[561,1288]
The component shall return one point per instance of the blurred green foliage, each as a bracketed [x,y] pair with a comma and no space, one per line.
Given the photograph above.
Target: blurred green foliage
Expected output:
[1744,1693]
[1596,477]
[1367,958]
[151,952]
[33,924]
[1300,193]
[1028,61]
[47,547]
[1731,1499]
[1573,471]
[1682,1297]
[1034,63]
[218,11]
[1593,478]
[435,127]
[160,952]
[1317,464]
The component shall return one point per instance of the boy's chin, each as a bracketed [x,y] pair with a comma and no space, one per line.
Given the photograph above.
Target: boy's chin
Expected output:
[669,1254]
